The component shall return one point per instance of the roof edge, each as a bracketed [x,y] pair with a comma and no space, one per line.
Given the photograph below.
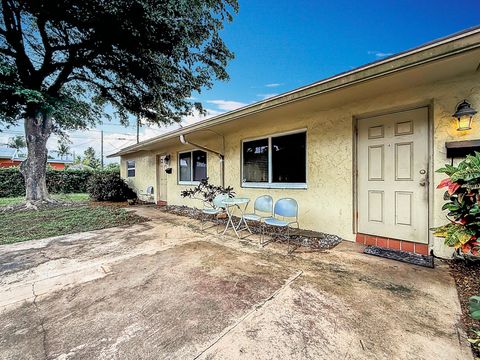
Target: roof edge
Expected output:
[394,63]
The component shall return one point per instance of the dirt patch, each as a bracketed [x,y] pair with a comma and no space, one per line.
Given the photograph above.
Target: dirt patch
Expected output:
[168,291]
[467,280]
[176,303]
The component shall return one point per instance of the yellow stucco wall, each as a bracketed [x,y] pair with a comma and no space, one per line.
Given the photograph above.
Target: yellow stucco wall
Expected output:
[144,171]
[327,205]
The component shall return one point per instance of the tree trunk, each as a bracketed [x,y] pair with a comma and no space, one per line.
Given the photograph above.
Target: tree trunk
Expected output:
[34,169]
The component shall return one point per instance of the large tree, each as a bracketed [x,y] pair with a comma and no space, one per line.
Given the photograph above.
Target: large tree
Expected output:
[62,62]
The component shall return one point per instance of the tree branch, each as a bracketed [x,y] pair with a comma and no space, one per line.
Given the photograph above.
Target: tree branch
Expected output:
[7,52]
[12,20]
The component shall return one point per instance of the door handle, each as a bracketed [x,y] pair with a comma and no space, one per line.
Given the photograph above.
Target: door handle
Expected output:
[423,181]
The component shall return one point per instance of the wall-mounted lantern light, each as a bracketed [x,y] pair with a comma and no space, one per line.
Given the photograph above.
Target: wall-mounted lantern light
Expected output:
[464,115]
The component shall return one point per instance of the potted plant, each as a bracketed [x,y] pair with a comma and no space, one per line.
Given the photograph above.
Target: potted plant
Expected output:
[206,192]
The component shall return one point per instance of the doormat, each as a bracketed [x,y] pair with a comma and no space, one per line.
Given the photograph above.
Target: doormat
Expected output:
[410,258]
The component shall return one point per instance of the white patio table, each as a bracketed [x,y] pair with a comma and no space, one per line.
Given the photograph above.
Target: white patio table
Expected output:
[232,204]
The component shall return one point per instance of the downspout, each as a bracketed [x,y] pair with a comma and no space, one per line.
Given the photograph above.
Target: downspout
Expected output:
[184,141]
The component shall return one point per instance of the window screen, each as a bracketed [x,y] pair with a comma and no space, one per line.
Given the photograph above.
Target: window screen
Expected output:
[255,161]
[185,161]
[289,158]
[192,166]
[276,159]
[130,168]
[199,165]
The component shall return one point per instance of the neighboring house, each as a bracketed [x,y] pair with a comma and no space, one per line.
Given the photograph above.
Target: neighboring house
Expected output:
[11,157]
[358,150]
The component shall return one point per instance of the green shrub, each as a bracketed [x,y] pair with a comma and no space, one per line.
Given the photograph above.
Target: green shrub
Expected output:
[58,181]
[109,186]
[11,182]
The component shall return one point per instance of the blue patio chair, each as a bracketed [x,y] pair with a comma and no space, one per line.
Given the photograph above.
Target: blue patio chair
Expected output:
[285,214]
[213,210]
[262,209]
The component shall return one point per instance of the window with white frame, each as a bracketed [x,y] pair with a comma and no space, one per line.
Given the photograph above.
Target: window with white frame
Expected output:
[275,161]
[192,166]
[130,168]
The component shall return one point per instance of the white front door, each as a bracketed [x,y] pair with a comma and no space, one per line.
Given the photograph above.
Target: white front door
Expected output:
[393,175]
[161,179]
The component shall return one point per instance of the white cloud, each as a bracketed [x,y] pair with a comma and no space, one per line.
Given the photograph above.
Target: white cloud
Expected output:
[4,139]
[148,132]
[227,105]
[273,85]
[266,96]
[379,53]
[114,141]
[81,140]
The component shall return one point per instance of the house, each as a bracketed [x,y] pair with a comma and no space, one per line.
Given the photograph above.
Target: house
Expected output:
[11,157]
[358,150]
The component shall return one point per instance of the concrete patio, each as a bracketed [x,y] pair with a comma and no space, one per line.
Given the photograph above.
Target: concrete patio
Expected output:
[165,290]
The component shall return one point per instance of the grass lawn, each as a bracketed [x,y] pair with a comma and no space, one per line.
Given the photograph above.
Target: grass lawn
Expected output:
[65,197]
[28,225]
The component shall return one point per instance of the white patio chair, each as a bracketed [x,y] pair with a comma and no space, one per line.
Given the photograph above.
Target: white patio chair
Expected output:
[148,194]
[262,209]
[213,210]
[285,214]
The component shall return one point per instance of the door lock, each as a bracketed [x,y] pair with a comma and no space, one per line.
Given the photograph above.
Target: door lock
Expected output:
[423,181]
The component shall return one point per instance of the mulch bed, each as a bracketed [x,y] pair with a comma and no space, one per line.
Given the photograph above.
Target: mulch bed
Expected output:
[305,238]
[467,279]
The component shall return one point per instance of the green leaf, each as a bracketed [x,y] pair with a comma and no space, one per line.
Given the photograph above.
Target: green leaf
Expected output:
[474,307]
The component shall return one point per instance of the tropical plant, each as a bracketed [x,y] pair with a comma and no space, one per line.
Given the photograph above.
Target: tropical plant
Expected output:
[206,192]
[462,205]
[63,149]
[474,308]
[475,341]
[90,158]
[113,167]
[63,64]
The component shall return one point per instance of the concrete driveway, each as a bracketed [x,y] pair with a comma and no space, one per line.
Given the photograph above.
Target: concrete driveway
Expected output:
[164,290]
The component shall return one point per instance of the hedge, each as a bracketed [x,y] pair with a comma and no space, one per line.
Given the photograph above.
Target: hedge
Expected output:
[109,186]
[58,181]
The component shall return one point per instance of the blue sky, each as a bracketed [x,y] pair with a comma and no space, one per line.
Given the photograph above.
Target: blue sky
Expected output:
[281,45]
[293,43]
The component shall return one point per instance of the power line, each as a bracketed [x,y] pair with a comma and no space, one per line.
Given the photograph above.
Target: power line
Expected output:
[18,132]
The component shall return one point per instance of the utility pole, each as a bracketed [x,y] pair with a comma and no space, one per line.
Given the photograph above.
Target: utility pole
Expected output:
[138,130]
[101,148]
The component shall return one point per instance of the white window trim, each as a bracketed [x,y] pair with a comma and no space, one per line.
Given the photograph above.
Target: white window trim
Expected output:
[180,182]
[270,184]
[131,168]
